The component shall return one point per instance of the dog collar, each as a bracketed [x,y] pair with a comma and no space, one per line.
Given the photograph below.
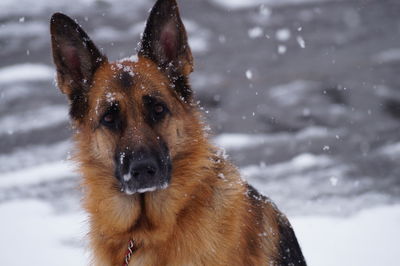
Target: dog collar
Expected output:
[132,248]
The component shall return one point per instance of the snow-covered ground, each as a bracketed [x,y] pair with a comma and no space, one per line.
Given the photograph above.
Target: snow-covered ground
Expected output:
[365,239]
[303,95]
[34,234]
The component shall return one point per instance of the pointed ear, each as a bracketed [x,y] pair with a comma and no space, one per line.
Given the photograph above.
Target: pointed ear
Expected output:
[76,59]
[165,42]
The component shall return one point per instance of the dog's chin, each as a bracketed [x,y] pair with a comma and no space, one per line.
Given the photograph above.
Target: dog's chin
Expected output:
[131,191]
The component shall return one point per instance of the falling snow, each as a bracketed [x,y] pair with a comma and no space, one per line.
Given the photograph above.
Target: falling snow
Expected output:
[255,32]
[110,97]
[282,49]
[249,74]
[308,112]
[283,35]
[301,41]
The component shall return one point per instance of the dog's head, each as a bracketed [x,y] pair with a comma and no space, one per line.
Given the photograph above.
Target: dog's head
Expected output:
[130,115]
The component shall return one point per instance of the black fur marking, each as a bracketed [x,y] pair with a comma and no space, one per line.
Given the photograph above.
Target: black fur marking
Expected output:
[125,79]
[254,196]
[182,87]
[289,249]
[252,239]
[79,106]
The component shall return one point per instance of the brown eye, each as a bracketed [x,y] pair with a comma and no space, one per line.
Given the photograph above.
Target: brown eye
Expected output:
[158,109]
[111,118]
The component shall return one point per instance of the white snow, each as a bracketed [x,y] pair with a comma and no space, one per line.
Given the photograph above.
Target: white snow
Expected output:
[249,74]
[198,44]
[13,29]
[132,59]
[26,72]
[198,36]
[241,4]
[299,163]
[33,234]
[37,174]
[143,190]
[255,32]
[109,33]
[334,180]
[45,237]
[237,141]
[127,177]
[148,189]
[391,150]
[31,7]
[282,49]
[29,120]
[369,238]
[290,93]
[234,141]
[128,191]
[15,91]
[238,4]
[265,11]
[301,42]
[28,156]
[112,34]
[388,56]
[283,35]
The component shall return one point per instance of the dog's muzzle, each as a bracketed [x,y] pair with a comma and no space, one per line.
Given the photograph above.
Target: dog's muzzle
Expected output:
[143,171]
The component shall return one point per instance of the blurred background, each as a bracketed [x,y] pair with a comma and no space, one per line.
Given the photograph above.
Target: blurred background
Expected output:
[304,95]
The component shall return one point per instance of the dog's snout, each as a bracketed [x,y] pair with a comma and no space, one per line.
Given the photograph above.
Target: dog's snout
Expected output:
[143,169]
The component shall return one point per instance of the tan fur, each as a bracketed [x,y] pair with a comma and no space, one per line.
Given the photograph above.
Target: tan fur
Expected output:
[203,218]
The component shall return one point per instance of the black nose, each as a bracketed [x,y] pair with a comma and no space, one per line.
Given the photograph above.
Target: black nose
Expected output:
[143,169]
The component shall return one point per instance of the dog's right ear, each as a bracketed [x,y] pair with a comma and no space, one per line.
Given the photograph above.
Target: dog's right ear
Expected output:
[75,55]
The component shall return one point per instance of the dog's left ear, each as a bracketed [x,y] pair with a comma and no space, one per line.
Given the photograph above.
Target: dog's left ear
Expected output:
[165,42]
[76,58]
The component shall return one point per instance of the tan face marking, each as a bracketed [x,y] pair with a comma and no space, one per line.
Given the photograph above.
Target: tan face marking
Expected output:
[133,111]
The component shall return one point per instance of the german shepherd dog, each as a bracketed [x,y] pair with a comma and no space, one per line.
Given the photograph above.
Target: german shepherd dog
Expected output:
[151,178]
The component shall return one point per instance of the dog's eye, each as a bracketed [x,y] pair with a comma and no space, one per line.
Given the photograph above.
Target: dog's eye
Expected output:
[159,109]
[110,118]
[156,109]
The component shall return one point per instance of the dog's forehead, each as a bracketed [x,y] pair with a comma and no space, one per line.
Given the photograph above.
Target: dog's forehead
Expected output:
[130,79]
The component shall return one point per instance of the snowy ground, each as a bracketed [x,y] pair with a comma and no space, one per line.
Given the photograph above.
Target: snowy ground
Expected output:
[303,95]
[46,237]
